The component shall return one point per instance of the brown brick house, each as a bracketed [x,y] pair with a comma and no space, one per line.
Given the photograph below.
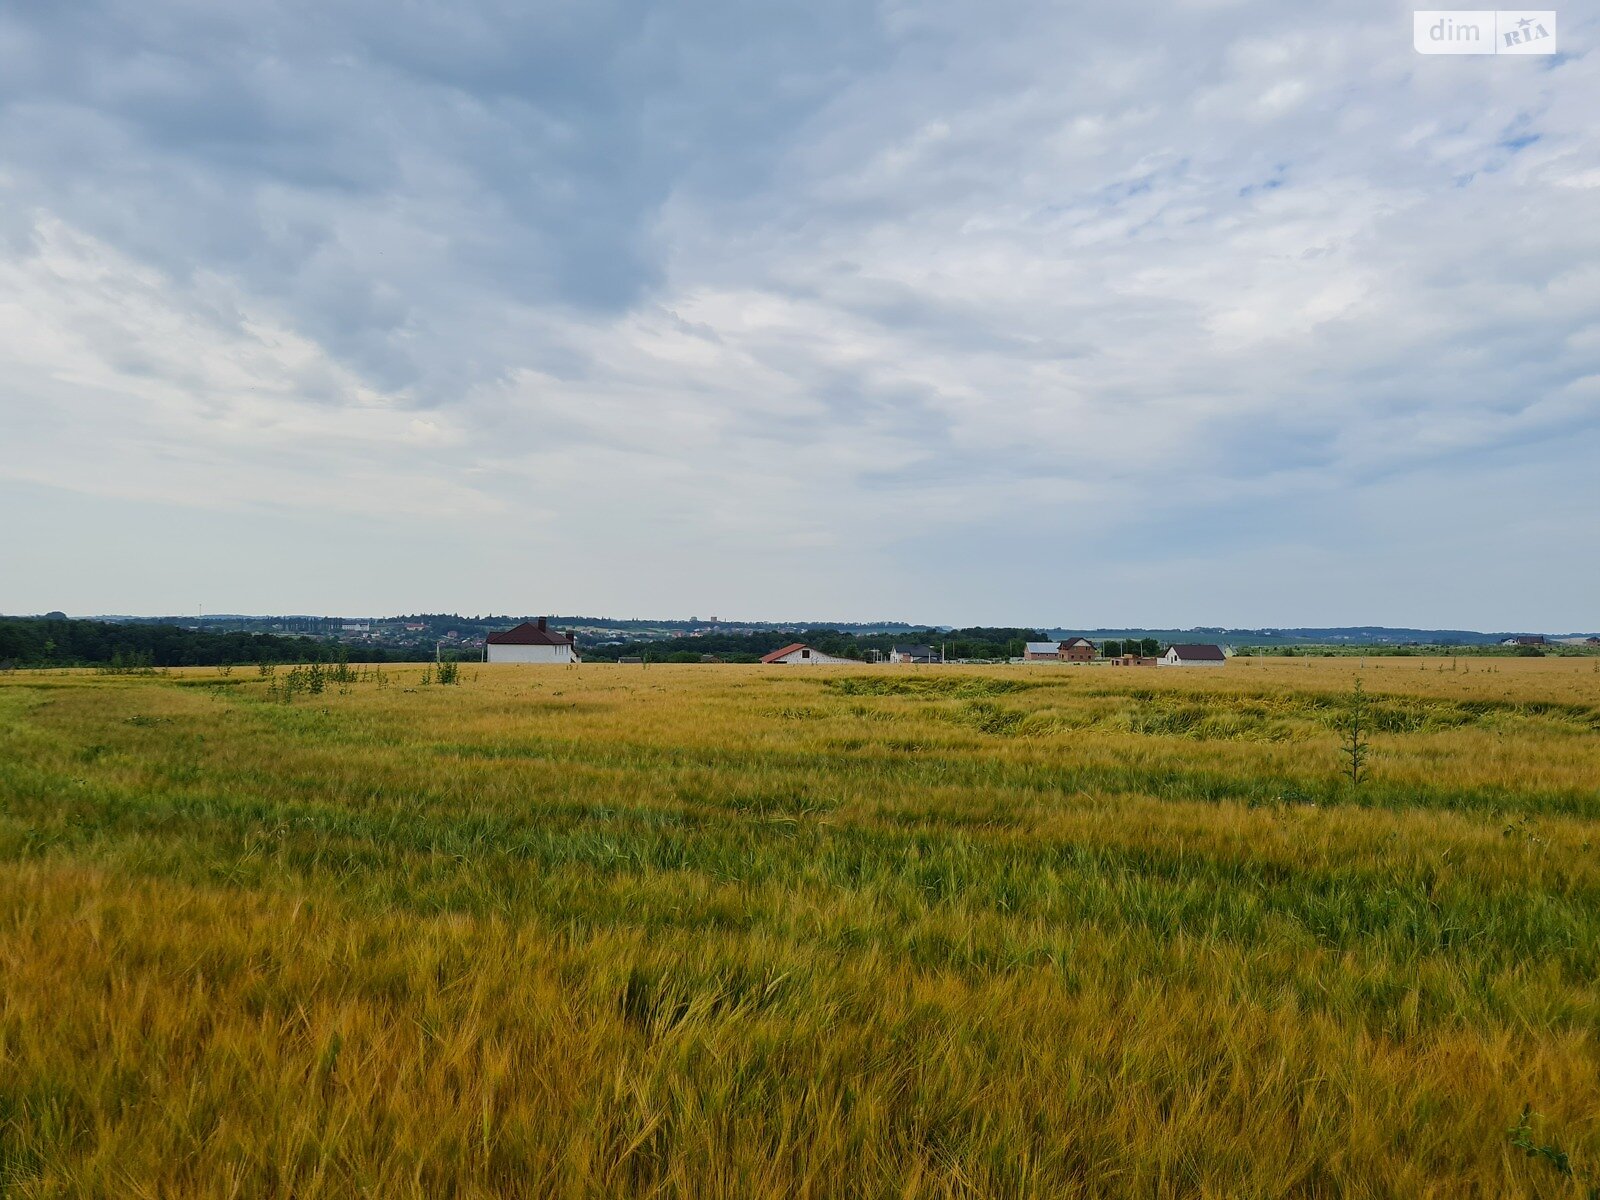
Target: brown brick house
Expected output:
[1078,649]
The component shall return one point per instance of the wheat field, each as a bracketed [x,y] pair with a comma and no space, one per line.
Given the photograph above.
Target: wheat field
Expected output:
[744,932]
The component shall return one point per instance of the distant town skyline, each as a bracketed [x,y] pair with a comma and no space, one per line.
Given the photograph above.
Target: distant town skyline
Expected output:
[1245,314]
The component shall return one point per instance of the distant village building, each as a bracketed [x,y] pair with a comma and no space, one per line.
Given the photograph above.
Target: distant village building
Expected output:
[530,643]
[914,654]
[1078,649]
[799,652]
[1526,639]
[1194,656]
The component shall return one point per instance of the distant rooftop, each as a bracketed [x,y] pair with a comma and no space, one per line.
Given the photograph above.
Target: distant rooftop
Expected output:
[529,634]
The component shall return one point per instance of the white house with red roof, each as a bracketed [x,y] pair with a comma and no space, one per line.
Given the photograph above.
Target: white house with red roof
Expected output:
[530,643]
[799,652]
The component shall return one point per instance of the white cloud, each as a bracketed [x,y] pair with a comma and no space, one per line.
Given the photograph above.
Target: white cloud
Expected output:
[795,295]
[130,385]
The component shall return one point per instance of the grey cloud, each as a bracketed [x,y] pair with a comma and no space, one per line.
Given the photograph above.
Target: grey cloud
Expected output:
[1181,275]
[507,154]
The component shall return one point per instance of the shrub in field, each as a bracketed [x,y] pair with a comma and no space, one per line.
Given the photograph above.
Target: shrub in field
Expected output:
[1356,733]
[128,662]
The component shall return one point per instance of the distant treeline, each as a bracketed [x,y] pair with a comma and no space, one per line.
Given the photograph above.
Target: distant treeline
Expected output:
[977,642]
[47,642]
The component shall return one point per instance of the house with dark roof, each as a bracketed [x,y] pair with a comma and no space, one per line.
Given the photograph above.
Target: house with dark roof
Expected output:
[1078,650]
[530,642]
[914,654]
[1193,655]
[800,653]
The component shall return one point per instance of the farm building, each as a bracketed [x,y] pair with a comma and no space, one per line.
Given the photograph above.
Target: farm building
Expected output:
[1193,656]
[1132,660]
[914,654]
[799,652]
[1078,649]
[530,643]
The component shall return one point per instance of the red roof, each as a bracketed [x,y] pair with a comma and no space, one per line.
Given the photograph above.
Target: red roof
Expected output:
[529,634]
[777,654]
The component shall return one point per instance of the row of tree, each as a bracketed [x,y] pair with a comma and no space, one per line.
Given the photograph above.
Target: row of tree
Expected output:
[1145,647]
[50,642]
[62,642]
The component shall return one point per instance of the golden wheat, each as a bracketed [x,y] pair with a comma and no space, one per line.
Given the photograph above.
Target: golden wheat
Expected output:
[761,932]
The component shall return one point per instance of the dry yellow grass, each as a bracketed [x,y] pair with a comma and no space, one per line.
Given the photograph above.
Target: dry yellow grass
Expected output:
[746,932]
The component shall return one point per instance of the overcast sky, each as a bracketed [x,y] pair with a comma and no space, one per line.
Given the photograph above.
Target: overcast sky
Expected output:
[1214,312]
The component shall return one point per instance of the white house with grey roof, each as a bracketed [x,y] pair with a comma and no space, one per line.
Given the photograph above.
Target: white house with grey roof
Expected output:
[1193,655]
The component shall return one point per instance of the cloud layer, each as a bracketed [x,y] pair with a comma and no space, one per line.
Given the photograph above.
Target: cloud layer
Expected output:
[1217,312]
